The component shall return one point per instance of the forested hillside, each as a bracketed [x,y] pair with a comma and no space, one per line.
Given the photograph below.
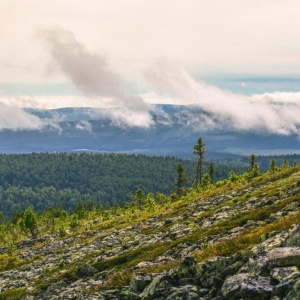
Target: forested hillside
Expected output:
[64,180]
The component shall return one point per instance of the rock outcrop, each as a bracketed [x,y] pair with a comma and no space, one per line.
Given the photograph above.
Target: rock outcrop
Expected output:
[268,275]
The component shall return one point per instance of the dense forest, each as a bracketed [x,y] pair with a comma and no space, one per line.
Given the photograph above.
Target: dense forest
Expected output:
[65,179]
[42,180]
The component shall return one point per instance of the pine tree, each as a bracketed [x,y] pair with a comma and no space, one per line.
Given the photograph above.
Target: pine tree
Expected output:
[252,162]
[211,172]
[139,198]
[199,150]
[206,180]
[180,180]
[273,166]
[285,164]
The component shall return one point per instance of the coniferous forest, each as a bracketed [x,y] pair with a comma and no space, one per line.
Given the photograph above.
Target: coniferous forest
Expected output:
[64,180]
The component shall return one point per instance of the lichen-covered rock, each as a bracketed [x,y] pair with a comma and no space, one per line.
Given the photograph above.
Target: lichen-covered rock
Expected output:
[214,271]
[184,293]
[270,241]
[86,271]
[159,287]
[284,257]
[208,270]
[187,268]
[293,239]
[280,274]
[138,282]
[246,286]
[294,293]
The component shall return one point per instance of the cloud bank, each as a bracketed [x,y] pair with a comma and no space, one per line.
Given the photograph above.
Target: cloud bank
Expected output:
[92,74]
[275,113]
[13,118]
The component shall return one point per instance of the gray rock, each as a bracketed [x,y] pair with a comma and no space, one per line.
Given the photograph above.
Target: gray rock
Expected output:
[284,257]
[184,293]
[280,274]
[159,287]
[138,282]
[294,293]
[270,241]
[293,239]
[207,271]
[187,268]
[86,271]
[246,286]
[287,285]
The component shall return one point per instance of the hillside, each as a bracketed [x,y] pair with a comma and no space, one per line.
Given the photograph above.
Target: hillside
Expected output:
[63,180]
[237,241]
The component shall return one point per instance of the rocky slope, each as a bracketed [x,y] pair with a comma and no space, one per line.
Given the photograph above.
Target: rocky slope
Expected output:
[236,242]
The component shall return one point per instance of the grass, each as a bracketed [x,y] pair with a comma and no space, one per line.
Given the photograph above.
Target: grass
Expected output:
[246,240]
[133,257]
[13,294]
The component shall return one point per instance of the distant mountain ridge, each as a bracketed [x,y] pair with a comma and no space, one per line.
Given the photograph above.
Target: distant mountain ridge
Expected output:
[92,129]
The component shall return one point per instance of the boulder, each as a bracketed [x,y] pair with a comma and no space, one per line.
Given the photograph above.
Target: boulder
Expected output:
[294,293]
[187,268]
[159,287]
[280,274]
[247,286]
[184,293]
[86,271]
[138,282]
[284,257]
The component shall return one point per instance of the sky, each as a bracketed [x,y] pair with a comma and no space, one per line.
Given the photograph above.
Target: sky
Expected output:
[237,59]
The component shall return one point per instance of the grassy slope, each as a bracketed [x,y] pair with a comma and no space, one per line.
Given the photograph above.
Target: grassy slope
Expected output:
[90,231]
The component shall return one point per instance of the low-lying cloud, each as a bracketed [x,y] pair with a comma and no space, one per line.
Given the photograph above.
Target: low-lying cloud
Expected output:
[275,113]
[92,74]
[13,118]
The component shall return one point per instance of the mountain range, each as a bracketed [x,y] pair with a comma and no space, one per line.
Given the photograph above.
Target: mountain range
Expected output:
[176,130]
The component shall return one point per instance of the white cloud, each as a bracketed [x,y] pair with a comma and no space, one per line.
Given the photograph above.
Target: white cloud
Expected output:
[275,113]
[125,117]
[92,74]
[13,118]
[84,125]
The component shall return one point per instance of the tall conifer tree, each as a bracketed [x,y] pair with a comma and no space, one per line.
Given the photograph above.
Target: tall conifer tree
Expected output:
[199,151]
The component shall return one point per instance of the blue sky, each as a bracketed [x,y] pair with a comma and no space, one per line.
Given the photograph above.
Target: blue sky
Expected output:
[240,85]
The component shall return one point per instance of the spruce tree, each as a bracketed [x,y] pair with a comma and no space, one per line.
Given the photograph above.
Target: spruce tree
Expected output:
[180,180]
[252,162]
[211,172]
[199,151]
[273,166]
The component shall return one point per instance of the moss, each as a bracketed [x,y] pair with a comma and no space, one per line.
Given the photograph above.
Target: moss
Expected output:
[247,239]
[13,294]
[133,257]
